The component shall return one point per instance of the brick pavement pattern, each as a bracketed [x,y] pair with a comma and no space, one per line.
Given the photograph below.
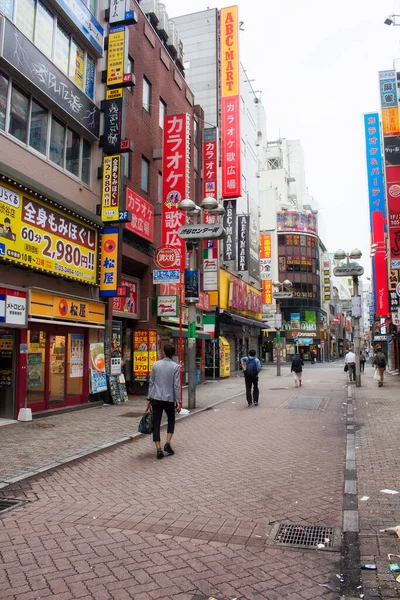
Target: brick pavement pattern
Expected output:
[120,524]
[377,419]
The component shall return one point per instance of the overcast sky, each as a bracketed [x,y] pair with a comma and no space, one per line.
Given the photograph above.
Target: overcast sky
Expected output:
[316,65]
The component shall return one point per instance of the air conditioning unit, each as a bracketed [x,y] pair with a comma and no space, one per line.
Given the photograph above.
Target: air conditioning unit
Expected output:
[173,39]
[151,9]
[163,22]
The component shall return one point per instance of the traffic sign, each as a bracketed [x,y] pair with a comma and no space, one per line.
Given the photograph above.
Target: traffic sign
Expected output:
[349,271]
[282,295]
[167,276]
[295,339]
[167,257]
[202,232]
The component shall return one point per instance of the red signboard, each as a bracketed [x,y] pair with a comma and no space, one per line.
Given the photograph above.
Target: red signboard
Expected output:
[142,215]
[167,257]
[175,180]
[129,305]
[210,162]
[379,265]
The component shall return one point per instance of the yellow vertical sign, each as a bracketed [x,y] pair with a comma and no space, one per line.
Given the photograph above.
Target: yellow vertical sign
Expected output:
[115,58]
[110,188]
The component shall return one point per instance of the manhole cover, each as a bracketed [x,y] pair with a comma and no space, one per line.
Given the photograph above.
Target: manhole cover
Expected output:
[133,414]
[306,402]
[304,536]
[7,505]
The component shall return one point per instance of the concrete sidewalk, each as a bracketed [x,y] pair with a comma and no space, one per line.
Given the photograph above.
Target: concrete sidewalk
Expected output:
[42,444]
[377,421]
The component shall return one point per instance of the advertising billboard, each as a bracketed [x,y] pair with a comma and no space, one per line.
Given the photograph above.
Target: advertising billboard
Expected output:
[293,220]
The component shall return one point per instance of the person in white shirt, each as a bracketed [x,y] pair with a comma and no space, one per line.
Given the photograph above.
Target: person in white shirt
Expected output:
[350,361]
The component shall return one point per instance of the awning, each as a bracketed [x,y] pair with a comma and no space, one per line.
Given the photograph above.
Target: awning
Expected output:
[176,332]
[241,319]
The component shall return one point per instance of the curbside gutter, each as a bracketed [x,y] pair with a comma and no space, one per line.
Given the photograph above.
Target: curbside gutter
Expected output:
[350,564]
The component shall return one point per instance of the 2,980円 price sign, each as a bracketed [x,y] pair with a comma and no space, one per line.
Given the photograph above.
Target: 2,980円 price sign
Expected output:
[42,237]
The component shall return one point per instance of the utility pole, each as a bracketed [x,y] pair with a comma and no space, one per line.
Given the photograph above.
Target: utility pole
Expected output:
[191,353]
[278,325]
[357,336]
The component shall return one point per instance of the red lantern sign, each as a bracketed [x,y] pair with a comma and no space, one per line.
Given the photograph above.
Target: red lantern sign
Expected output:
[167,257]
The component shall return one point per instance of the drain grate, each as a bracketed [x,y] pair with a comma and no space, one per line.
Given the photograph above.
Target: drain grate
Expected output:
[304,536]
[7,505]
[133,414]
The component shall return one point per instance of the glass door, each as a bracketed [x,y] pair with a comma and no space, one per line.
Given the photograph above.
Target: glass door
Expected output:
[57,351]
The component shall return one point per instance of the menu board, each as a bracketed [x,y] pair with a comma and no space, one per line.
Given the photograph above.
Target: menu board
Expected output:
[34,370]
[144,353]
[76,356]
[6,354]
[98,378]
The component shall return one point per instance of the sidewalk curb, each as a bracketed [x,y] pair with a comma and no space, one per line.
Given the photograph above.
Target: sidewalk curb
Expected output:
[350,543]
[54,465]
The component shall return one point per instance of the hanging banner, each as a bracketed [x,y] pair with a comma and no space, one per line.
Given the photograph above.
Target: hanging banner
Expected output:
[175,180]
[379,264]
[142,215]
[243,243]
[229,224]
[113,114]
[110,188]
[210,162]
[76,355]
[376,190]
[109,262]
[230,103]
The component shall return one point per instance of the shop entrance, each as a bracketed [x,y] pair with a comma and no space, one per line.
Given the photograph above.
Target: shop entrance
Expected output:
[7,373]
[55,368]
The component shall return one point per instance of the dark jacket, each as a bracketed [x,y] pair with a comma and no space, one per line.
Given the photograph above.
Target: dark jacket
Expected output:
[297,365]
[380,358]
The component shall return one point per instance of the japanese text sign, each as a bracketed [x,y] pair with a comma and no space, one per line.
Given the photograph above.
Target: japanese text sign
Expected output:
[230,103]
[129,306]
[110,188]
[387,82]
[42,237]
[50,306]
[243,243]
[376,191]
[265,245]
[175,180]
[267,291]
[13,307]
[109,262]
[167,306]
[229,224]
[142,215]
[210,162]
[381,288]
[144,353]
[115,58]
[113,116]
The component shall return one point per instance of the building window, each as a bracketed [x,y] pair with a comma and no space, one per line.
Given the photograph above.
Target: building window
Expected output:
[44,25]
[57,138]
[126,165]
[38,127]
[19,114]
[3,99]
[72,152]
[146,95]
[86,161]
[159,195]
[61,51]
[92,6]
[162,113]
[25,17]
[77,64]
[144,180]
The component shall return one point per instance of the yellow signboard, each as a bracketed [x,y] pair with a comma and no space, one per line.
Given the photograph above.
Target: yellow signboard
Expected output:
[141,365]
[390,121]
[39,236]
[109,262]
[65,308]
[224,357]
[115,58]
[229,51]
[114,93]
[110,188]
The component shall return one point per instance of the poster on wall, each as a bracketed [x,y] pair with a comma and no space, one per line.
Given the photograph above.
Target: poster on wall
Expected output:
[116,348]
[6,355]
[34,370]
[76,356]
[144,353]
[98,377]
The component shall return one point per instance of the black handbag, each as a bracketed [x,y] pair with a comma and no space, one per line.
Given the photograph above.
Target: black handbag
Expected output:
[146,423]
[346,368]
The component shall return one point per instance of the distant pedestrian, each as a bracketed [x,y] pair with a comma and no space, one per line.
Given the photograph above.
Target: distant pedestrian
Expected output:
[312,356]
[251,367]
[350,361]
[165,394]
[362,362]
[380,364]
[297,369]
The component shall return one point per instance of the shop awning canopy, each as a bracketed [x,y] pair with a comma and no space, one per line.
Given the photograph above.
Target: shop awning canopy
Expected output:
[240,319]
[175,331]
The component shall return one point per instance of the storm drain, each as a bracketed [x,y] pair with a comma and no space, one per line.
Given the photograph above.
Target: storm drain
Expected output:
[304,536]
[7,505]
[133,414]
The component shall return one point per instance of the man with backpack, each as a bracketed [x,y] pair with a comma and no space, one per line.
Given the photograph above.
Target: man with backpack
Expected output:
[380,364]
[251,367]
[297,369]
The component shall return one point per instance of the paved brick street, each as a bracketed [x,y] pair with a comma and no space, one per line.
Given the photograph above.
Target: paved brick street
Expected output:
[120,524]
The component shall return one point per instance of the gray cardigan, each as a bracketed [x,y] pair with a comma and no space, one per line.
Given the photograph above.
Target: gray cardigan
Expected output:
[165,381]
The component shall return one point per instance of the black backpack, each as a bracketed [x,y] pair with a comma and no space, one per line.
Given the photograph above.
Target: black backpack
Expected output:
[380,361]
[251,367]
[297,366]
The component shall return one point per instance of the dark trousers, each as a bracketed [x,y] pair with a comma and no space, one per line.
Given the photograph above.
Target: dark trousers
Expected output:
[252,382]
[362,365]
[158,406]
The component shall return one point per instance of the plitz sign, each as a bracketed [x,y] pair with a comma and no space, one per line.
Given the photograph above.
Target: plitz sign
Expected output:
[201,232]
[348,271]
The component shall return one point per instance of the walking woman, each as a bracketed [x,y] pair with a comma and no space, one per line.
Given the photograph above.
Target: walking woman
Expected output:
[297,369]
[165,394]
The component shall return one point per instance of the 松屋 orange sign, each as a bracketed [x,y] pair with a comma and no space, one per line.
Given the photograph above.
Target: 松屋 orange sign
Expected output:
[229,52]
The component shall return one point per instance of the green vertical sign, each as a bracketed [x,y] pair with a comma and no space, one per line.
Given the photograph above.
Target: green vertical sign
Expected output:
[191,330]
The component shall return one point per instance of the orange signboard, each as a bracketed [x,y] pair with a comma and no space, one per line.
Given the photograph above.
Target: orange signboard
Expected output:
[265,245]
[390,121]
[229,51]
[267,291]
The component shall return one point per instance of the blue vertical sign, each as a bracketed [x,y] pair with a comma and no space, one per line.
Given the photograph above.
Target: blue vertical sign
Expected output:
[387,84]
[376,189]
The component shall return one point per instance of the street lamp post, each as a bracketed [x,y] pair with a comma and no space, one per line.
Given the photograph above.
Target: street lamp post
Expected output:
[354,273]
[210,205]
[278,317]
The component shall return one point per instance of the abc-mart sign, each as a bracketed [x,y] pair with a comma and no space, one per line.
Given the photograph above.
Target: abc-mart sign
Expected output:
[167,257]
